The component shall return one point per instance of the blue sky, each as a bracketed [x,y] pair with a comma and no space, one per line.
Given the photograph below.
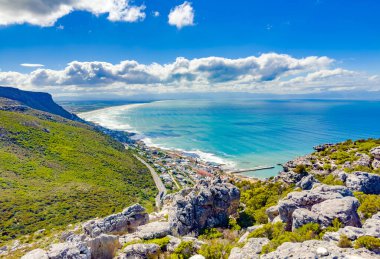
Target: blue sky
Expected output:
[346,31]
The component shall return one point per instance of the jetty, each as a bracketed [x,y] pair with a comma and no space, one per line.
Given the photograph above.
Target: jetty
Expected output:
[257,168]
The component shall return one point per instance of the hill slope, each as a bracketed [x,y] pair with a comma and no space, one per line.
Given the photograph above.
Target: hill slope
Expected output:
[54,172]
[36,100]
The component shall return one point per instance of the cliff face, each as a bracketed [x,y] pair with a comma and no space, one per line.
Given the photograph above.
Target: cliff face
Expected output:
[36,100]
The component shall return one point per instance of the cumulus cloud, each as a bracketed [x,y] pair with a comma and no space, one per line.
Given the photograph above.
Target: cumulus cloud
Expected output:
[267,73]
[182,15]
[31,65]
[47,12]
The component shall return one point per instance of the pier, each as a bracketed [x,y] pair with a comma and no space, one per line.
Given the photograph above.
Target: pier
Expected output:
[257,168]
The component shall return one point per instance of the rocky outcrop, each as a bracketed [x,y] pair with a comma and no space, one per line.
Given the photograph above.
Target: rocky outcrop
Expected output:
[363,182]
[249,230]
[140,251]
[69,250]
[317,249]
[290,177]
[307,182]
[208,204]
[153,230]
[309,200]
[36,254]
[127,221]
[251,250]
[103,246]
[375,152]
[363,160]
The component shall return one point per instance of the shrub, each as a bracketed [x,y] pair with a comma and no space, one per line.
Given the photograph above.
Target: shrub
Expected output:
[371,243]
[232,223]
[216,249]
[300,169]
[344,242]
[329,180]
[369,204]
[183,251]
[210,233]
[161,242]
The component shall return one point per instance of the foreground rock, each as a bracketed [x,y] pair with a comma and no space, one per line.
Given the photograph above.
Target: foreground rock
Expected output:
[363,182]
[322,205]
[251,250]
[317,249]
[207,205]
[127,221]
[140,251]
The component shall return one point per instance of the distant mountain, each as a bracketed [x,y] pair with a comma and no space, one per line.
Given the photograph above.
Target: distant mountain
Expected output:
[36,100]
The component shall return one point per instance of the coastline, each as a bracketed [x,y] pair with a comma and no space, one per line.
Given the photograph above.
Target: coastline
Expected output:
[175,166]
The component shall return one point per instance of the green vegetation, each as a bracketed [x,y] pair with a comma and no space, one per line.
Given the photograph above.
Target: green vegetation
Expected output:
[369,204]
[210,233]
[216,249]
[329,180]
[161,242]
[55,172]
[258,197]
[183,251]
[344,242]
[277,235]
[371,243]
[300,169]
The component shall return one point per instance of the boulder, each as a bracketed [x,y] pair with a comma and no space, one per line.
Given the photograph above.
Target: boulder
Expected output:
[363,160]
[251,250]
[343,209]
[302,217]
[126,221]
[140,251]
[153,230]
[363,182]
[290,177]
[317,249]
[103,246]
[36,254]
[372,226]
[69,250]
[174,242]
[376,164]
[352,233]
[208,204]
[272,213]
[307,182]
[375,152]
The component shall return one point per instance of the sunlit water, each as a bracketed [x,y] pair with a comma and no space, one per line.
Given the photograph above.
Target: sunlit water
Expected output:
[244,133]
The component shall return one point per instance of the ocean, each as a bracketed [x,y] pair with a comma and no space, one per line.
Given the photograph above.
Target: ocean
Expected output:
[244,133]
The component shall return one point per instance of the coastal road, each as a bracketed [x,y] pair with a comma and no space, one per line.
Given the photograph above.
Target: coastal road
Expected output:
[157,180]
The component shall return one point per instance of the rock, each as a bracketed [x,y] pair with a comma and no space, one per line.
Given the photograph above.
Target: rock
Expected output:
[244,237]
[153,230]
[375,152]
[343,209]
[272,213]
[307,182]
[326,189]
[103,246]
[36,254]
[197,257]
[173,243]
[208,204]
[322,251]
[363,182]
[302,217]
[372,226]
[251,249]
[322,147]
[140,251]
[364,160]
[341,175]
[69,250]
[197,244]
[376,164]
[317,249]
[290,177]
[127,221]
[352,233]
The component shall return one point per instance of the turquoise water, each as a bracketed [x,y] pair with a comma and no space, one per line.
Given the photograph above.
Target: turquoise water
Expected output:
[245,133]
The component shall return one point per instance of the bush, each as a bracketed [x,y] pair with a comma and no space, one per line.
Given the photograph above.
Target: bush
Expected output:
[183,251]
[300,169]
[210,233]
[371,243]
[344,242]
[329,180]
[369,204]
[232,224]
[161,242]
[216,249]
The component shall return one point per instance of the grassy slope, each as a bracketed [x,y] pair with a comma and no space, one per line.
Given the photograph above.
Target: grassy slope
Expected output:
[54,172]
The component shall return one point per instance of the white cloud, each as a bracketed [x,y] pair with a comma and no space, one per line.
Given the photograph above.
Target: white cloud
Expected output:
[47,12]
[182,15]
[156,13]
[267,73]
[31,65]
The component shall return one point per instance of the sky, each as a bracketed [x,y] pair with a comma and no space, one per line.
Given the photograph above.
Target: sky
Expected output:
[117,48]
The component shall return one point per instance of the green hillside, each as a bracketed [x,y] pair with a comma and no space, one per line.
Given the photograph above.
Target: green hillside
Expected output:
[54,172]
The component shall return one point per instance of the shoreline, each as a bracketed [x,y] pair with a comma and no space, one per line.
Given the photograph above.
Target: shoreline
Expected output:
[173,159]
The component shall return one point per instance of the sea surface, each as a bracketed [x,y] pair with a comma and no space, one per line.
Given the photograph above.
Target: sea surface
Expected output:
[244,133]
